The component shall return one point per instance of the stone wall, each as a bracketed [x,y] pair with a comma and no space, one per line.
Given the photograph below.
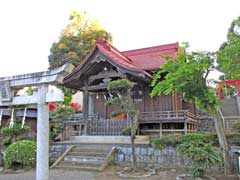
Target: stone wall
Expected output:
[205,124]
[167,157]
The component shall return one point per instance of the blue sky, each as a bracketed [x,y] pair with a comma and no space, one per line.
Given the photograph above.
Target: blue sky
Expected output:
[29,27]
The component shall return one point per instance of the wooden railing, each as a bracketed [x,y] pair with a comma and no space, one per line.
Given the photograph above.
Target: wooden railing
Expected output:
[165,116]
[98,126]
[106,127]
[74,119]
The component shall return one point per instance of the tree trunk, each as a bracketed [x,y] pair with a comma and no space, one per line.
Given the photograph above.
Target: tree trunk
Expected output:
[223,143]
[134,159]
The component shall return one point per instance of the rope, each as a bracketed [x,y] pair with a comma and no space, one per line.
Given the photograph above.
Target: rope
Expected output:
[24,117]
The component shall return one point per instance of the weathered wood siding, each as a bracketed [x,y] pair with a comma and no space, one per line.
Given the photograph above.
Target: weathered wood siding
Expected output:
[158,103]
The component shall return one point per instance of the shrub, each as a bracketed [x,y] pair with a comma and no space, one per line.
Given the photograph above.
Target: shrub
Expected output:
[15,133]
[6,141]
[159,143]
[165,141]
[236,127]
[20,153]
[126,131]
[202,153]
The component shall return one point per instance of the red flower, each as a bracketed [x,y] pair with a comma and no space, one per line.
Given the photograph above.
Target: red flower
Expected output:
[52,106]
[75,106]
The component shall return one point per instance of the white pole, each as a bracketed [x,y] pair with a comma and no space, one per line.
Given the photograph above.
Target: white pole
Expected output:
[42,171]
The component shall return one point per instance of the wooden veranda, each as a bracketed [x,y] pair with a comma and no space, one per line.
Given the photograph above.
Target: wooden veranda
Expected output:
[150,123]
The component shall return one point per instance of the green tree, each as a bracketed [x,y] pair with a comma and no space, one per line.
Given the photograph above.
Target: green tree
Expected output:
[187,75]
[122,89]
[228,55]
[76,40]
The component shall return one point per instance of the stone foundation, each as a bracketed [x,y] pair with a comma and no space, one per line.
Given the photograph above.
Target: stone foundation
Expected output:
[205,124]
[167,157]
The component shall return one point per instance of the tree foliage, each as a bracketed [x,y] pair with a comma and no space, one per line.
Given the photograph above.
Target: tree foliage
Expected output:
[76,40]
[228,56]
[187,76]
[122,90]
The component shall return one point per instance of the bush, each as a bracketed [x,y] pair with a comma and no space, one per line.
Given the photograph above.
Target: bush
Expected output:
[14,134]
[159,143]
[6,141]
[20,153]
[165,141]
[236,127]
[202,153]
[126,131]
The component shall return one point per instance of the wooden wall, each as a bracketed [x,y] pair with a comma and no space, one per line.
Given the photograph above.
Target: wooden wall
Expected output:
[143,102]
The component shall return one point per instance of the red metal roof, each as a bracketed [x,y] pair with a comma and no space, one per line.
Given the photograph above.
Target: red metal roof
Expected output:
[144,59]
[118,57]
[150,58]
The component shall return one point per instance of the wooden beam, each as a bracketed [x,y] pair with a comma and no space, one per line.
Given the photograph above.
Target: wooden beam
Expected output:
[104,75]
[95,87]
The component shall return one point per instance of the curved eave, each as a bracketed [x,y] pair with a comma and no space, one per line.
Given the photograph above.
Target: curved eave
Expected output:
[73,78]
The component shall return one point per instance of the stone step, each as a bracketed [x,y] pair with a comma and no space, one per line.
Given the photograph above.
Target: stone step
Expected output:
[84,159]
[88,153]
[102,139]
[81,163]
[81,168]
[90,149]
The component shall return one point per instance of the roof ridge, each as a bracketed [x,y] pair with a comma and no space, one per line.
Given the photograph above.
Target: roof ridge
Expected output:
[110,47]
[151,49]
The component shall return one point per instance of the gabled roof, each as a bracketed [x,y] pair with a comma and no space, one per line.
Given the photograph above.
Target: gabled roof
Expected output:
[150,58]
[136,62]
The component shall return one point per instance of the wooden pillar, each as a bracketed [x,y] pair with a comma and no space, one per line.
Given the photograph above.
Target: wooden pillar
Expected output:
[42,170]
[85,110]
[91,104]
[185,127]
[160,129]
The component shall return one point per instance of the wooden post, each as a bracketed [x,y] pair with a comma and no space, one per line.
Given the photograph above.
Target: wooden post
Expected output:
[185,127]
[42,171]
[85,106]
[85,110]
[91,104]
[160,129]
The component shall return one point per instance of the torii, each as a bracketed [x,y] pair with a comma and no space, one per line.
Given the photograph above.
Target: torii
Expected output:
[235,83]
[8,87]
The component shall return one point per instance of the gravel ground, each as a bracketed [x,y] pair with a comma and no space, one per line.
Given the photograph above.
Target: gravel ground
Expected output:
[54,175]
[108,174]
